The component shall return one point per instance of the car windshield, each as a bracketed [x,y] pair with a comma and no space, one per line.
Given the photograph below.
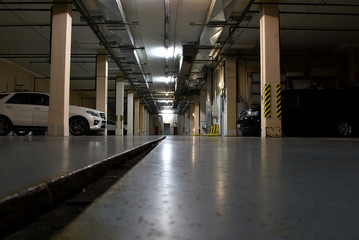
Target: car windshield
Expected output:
[29,98]
[3,95]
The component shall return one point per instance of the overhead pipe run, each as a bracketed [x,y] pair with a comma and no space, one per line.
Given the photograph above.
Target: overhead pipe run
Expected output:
[220,23]
[205,53]
[232,32]
[94,27]
[322,4]
[32,3]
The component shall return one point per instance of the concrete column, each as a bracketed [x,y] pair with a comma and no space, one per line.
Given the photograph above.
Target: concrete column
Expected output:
[152,124]
[242,89]
[120,96]
[60,70]
[209,101]
[137,117]
[202,105]
[187,122]
[192,115]
[101,81]
[230,128]
[242,81]
[142,119]
[145,122]
[352,67]
[130,114]
[196,117]
[270,67]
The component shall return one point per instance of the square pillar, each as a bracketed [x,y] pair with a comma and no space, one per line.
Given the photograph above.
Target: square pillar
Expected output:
[242,81]
[191,116]
[202,104]
[142,118]
[270,70]
[137,117]
[101,81]
[120,96]
[230,124]
[130,113]
[187,122]
[58,124]
[196,117]
[148,125]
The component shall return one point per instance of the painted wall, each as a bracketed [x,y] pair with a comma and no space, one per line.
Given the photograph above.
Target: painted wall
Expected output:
[17,78]
[174,120]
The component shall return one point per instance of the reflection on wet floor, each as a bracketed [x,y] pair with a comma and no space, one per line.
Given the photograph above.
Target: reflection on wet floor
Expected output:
[30,160]
[232,188]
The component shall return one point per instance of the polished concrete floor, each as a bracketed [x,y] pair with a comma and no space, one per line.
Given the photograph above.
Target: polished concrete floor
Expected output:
[31,160]
[231,188]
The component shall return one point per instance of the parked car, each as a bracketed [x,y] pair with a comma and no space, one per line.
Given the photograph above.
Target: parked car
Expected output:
[22,112]
[249,122]
[111,128]
[311,112]
[320,112]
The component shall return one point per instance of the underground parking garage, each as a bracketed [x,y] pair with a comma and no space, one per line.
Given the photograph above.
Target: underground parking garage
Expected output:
[150,94]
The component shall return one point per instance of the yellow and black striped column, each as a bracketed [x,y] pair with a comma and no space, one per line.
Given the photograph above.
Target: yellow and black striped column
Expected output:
[267,101]
[279,101]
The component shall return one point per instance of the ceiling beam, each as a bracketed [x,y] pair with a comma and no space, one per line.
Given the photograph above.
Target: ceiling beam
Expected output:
[232,32]
[94,27]
[324,4]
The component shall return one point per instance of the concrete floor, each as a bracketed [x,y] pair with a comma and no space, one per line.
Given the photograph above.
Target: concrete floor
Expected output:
[31,160]
[231,188]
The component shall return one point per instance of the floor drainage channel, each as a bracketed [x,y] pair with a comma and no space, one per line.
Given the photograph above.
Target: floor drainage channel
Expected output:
[41,212]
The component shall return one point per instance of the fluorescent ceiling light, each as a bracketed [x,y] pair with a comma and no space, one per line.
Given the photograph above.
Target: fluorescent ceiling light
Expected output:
[163,79]
[167,111]
[165,101]
[162,52]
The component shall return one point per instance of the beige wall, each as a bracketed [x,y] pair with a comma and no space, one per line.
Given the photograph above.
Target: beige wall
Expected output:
[16,78]
[78,99]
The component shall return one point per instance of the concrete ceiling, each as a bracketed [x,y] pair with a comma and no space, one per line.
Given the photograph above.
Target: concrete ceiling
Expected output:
[148,38]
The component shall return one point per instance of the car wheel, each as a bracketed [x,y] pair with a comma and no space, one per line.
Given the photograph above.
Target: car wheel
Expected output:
[21,132]
[78,126]
[5,126]
[345,129]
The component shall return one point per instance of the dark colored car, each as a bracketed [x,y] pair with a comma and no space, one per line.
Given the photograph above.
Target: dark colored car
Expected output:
[249,122]
[312,112]
[320,112]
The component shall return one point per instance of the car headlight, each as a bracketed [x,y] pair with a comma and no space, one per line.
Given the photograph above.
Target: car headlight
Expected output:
[252,113]
[92,113]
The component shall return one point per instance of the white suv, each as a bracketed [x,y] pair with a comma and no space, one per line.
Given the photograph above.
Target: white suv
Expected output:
[22,112]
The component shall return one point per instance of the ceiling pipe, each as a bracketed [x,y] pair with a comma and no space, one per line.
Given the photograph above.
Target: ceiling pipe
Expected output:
[252,2]
[185,107]
[42,55]
[166,35]
[318,13]
[32,3]
[25,9]
[232,32]
[308,29]
[94,27]
[128,30]
[308,4]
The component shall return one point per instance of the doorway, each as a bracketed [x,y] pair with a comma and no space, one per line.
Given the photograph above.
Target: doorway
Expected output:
[167,128]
